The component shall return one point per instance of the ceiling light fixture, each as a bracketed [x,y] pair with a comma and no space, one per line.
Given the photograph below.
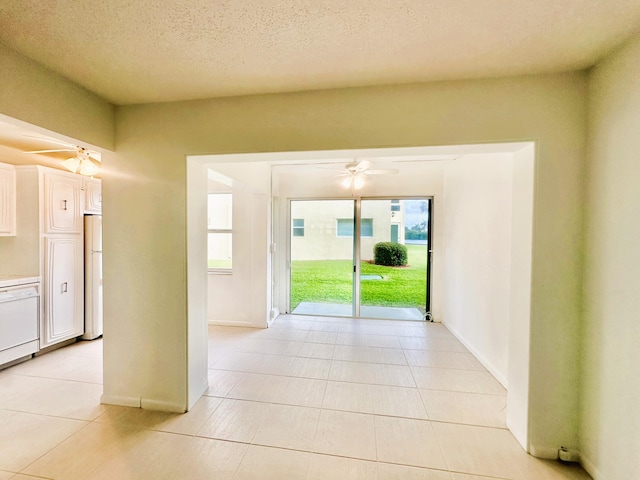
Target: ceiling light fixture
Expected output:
[81,163]
[85,162]
[355,180]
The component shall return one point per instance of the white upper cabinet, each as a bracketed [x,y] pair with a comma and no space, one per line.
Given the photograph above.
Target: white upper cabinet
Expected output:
[92,195]
[62,199]
[7,200]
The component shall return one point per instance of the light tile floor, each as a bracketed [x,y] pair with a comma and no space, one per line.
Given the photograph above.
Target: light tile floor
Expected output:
[309,398]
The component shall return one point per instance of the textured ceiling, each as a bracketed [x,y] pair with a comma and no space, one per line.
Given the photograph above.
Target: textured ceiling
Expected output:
[164,50]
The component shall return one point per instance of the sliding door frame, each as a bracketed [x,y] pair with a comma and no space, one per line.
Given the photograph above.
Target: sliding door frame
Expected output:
[356,261]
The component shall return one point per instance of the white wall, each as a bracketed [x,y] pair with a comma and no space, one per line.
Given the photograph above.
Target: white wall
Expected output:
[610,385]
[477,256]
[243,297]
[197,364]
[520,289]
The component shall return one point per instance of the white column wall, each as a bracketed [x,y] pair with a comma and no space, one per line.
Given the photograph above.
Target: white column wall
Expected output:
[520,292]
[477,256]
[610,389]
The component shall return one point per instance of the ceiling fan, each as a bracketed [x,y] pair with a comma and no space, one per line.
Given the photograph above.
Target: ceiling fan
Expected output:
[84,161]
[355,173]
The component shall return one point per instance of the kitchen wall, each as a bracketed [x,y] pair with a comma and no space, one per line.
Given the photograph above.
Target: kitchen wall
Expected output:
[32,93]
[610,390]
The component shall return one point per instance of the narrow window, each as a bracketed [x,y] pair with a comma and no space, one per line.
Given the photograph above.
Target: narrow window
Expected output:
[345,227]
[366,227]
[219,228]
[298,227]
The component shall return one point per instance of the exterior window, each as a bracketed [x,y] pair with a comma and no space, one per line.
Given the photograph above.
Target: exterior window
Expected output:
[298,227]
[395,205]
[219,228]
[345,227]
[366,227]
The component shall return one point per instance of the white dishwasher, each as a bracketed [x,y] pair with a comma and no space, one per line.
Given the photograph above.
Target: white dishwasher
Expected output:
[19,317]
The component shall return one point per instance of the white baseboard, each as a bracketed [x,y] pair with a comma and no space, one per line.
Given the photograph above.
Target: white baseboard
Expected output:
[547,453]
[485,363]
[161,405]
[273,314]
[591,468]
[120,400]
[204,386]
[231,323]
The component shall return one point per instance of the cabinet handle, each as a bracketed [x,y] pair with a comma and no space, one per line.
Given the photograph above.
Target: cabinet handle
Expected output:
[64,287]
[65,204]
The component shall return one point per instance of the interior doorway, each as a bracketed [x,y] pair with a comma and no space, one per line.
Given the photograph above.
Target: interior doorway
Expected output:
[361,257]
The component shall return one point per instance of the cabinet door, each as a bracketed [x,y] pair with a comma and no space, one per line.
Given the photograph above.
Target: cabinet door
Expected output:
[64,290]
[92,196]
[62,203]
[7,200]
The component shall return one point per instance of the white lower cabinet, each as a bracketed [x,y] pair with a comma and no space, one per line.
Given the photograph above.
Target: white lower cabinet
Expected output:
[64,290]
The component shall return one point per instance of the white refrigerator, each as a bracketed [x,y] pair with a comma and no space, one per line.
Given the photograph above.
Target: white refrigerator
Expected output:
[92,276]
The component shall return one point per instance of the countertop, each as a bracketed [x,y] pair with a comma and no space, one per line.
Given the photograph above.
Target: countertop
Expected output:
[15,280]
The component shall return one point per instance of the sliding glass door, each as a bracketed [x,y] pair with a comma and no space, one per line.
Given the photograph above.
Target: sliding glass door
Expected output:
[322,257]
[393,258]
[361,258]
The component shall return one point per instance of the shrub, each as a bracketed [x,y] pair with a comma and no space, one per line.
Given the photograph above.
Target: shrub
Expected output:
[390,254]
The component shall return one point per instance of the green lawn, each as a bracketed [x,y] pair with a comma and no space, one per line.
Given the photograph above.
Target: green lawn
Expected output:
[330,281]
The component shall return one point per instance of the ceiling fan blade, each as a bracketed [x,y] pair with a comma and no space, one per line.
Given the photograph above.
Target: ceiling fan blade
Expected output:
[362,165]
[336,169]
[427,158]
[389,171]
[55,150]
[97,156]
[58,142]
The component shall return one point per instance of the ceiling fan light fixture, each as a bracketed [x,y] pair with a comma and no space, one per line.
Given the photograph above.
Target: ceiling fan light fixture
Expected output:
[72,164]
[346,183]
[358,181]
[88,168]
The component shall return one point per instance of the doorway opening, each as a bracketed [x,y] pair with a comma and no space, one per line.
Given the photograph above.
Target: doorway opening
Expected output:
[361,258]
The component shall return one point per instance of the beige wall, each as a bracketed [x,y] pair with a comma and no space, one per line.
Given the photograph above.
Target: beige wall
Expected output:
[610,389]
[147,305]
[34,94]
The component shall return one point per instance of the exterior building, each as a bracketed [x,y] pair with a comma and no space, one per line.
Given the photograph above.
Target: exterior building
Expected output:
[324,230]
